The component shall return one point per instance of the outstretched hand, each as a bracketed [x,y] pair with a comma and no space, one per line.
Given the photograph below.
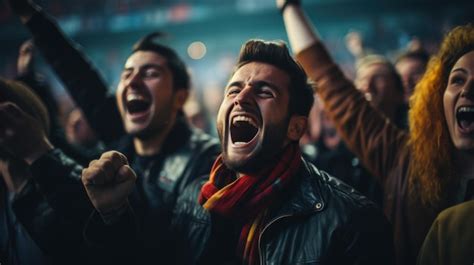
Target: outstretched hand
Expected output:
[21,135]
[108,182]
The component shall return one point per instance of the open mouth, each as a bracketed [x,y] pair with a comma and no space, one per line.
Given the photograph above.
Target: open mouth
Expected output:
[243,129]
[465,118]
[137,104]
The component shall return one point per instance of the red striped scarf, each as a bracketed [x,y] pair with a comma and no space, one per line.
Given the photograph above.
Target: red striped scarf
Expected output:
[247,198]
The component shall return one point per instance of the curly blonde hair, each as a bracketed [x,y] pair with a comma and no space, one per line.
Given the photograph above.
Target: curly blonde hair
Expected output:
[431,172]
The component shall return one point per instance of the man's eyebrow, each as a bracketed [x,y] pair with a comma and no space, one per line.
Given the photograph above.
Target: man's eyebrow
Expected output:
[260,83]
[147,66]
[235,83]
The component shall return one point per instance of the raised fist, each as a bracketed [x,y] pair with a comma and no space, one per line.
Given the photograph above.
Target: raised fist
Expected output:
[108,182]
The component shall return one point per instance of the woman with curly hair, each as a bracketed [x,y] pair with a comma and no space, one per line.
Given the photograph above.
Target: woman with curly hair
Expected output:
[422,171]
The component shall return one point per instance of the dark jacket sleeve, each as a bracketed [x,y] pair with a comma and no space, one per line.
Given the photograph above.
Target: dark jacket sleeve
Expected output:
[376,141]
[115,243]
[56,133]
[79,76]
[53,207]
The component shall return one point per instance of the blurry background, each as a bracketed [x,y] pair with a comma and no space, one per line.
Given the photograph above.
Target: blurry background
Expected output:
[209,33]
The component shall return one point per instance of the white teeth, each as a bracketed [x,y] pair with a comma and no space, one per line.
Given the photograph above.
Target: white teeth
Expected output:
[244,118]
[131,97]
[466,109]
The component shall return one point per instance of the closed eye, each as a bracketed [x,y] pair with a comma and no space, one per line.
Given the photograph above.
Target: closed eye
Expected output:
[267,93]
[266,90]
[151,73]
[232,91]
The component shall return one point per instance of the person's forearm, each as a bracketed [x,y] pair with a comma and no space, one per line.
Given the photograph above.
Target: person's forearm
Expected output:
[303,36]
[58,178]
[81,79]
[301,33]
[376,143]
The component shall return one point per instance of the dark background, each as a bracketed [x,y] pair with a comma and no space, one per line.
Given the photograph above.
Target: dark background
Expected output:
[107,29]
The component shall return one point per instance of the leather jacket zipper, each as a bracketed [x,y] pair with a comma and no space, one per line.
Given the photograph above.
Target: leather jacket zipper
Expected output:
[260,251]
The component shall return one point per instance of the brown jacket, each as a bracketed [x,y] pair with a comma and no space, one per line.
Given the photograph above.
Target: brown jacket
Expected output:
[380,145]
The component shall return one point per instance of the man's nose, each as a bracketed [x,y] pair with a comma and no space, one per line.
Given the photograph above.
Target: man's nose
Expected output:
[244,97]
[134,80]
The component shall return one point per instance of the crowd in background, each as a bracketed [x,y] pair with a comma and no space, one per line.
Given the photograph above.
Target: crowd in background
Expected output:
[391,125]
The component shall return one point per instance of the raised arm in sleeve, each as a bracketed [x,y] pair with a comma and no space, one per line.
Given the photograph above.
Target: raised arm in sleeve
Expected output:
[368,133]
[80,77]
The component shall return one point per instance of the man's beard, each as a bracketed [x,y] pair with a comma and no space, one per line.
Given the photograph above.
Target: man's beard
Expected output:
[156,127]
[265,153]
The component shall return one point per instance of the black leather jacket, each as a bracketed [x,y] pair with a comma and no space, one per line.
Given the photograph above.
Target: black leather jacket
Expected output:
[323,221]
[54,207]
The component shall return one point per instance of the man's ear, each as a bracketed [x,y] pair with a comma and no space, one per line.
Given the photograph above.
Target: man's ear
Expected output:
[297,127]
[181,95]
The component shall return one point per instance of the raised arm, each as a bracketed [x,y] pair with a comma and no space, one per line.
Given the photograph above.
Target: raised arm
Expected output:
[368,133]
[77,73]
[301,33]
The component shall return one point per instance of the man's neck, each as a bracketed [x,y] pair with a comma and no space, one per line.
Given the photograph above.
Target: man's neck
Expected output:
[152,145]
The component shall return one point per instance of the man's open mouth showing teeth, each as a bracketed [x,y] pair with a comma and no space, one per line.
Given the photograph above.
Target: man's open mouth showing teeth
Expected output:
[137,103]
[243,129]
[465,118]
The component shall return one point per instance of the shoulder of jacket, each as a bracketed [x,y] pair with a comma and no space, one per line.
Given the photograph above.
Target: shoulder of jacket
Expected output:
[192,191]
[333,189]
[203,140]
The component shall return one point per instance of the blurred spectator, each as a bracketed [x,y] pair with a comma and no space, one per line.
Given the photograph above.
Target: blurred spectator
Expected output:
[355,44]
[324,147]
[196,114]
[212,100]
[382,86]
[411,66]
[313,133]
[27,74]
[16,245]
[78,131]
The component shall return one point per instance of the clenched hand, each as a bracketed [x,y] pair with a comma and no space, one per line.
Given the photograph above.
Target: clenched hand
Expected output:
[108,182]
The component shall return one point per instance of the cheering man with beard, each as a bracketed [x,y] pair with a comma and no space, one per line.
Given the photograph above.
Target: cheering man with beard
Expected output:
[262,203]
